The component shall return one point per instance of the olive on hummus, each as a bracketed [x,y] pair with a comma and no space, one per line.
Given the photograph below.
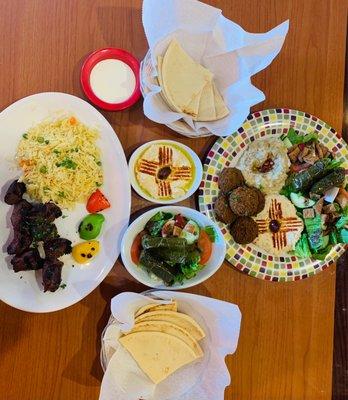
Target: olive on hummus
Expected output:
[164,171]
[265,165]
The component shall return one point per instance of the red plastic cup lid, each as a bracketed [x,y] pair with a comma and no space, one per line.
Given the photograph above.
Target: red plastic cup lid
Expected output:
[105,54]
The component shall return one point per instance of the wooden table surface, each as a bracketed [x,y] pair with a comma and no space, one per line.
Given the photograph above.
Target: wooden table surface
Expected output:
[286,341]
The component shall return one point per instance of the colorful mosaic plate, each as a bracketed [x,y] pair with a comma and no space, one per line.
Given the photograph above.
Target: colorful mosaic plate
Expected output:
[226,151]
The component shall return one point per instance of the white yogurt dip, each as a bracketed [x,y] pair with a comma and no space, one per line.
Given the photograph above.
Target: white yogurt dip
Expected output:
[112,81]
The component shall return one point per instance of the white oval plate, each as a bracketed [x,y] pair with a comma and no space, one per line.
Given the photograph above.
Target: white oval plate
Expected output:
[196,181]
[215,262]
[23,290]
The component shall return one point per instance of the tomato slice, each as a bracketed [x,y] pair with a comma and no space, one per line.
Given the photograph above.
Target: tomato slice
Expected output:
[136,247]
[205,246]
[97,202]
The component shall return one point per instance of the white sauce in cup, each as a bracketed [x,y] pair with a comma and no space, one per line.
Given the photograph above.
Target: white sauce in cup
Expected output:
[112,81]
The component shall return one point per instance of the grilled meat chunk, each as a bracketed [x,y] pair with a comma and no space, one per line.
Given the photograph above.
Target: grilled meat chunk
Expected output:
[18,214]
[55,248]
[21,241]
[51,274]
[40,229]
[29,260]
[14,192]
[47,211]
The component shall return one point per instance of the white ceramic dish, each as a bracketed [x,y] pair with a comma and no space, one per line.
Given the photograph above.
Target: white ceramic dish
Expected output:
[23,290]
[195,183]
[216,260]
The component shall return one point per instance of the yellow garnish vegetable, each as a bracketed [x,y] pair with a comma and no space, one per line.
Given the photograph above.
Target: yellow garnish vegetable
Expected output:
[85,251]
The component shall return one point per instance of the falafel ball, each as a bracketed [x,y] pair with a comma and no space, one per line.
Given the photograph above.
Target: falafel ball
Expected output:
[261,198]
[223,211]
[229,179]
[244,230]
[244,201]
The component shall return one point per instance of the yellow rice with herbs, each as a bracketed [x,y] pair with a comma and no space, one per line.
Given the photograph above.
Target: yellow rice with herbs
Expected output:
[60,162]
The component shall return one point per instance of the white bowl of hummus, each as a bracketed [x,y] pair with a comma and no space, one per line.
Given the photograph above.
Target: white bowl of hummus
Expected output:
[165,171]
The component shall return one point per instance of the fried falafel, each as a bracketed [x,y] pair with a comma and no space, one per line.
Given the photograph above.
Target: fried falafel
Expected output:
[229,179]
[244,230]
[223,210]
[244,201]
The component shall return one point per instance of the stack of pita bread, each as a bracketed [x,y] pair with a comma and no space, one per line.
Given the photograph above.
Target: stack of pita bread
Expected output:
[163,340]
[188,87]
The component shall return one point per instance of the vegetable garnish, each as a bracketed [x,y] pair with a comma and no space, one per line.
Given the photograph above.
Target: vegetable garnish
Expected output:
[210,230]
[97,202]
[318,193]
[297,139]
[91,226]
[67,163]
[205,247]
[85,251]
[136,247]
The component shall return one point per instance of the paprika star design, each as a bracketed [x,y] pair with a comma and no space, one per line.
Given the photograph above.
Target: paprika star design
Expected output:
[278,225]
[164,171]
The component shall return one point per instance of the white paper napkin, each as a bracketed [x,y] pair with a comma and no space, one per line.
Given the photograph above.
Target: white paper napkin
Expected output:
[205,379]
[232,54]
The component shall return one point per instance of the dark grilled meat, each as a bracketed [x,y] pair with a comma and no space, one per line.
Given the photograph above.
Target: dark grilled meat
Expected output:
[15,192]
[47,211]
[21,241]
[29,260]
[55,248]
[18,214]
[40,229]
[51,274]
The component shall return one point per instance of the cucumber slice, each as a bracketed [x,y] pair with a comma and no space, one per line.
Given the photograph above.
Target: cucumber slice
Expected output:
[287,143]
[300,201]
[190,231]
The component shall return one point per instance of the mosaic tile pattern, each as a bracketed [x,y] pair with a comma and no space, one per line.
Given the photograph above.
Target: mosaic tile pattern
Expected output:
[226,151]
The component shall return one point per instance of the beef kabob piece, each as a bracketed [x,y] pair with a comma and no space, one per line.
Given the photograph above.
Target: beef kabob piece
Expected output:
[14,193]
[29,260]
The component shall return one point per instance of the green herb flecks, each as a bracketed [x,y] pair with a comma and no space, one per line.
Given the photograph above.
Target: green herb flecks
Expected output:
[43,169]
[47,141]
[67,163]
[40,139]
[55,151]
[63,286]
[25,136]
[61,194]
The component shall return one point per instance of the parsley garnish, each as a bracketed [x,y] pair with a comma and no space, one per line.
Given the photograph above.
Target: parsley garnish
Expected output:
[61,194]
[25,136]
[67,163]
[97,184]
[55,151]
[43,170]
[40,139]
[63,286]
[47,141]
[99,163]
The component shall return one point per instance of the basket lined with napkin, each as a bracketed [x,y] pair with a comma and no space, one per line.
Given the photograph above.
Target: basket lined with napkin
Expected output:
[195,77]
[165,345]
